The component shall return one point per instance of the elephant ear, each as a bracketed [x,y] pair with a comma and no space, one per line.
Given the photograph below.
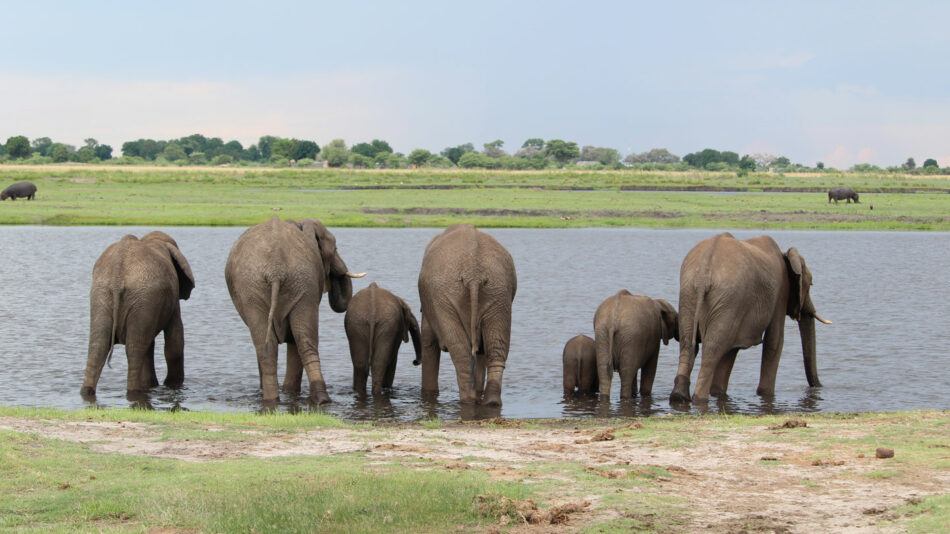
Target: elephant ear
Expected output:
[412,328]
[669,321]
[797,287]
[186,280]
[336,280]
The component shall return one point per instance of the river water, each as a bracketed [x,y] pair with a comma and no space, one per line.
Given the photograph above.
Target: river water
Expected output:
[887,293]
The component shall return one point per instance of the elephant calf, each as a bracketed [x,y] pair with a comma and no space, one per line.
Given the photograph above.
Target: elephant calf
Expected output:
[136,286]
[580,366]
[627,331]
[376,323]
[25,190]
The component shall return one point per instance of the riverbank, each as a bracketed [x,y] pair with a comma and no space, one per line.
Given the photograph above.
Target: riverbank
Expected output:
[119,470]
[104,195]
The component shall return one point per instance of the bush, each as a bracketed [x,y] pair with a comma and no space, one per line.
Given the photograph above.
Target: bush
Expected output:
[305,162]
[222,159]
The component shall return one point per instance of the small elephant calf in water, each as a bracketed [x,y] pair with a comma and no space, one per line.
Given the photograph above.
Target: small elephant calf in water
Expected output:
[376,323]
[580,366]
[628,330]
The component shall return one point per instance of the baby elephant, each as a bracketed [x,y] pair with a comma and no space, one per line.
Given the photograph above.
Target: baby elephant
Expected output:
[19,190]
[376,322]
[580,366]
[628,330]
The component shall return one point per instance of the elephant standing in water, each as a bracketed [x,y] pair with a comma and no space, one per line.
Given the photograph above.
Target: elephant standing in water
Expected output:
[136,286]
[277,273]
[734,295]
[628,330]
[580,366]
[376,323]
[466,285]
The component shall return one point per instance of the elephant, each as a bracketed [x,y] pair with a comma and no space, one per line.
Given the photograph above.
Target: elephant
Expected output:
[734,295]
[628,330]
[580,366]
[135,293]
[277,273]
[841,193]
[376,323]
[19,190]
[467,284]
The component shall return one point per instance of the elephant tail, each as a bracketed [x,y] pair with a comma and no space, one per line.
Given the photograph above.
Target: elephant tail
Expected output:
[475,321]
[372,332]
[271,336]
[116,297]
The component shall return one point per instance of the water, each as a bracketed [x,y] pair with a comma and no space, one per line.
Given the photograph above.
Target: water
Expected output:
[887,294]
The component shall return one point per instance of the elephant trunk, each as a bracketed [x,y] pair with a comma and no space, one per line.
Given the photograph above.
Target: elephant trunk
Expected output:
[341,286]
[806,327]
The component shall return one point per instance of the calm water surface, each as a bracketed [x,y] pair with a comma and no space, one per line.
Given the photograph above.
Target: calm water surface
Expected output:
[887,294]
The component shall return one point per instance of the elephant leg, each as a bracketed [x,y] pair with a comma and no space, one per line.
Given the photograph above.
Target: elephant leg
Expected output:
[266,353]
[175,351]
[496,337]
[136,350]
[628,377]
[723,371]
[305,327]
[149,378]
[771,353]
[99,344]
[431,354]
[384,358]
[391,368]
[481,364]
[647,374]
[688,353]
[571,380]
[461,355]
[294,372]
[712,354]
[605,371]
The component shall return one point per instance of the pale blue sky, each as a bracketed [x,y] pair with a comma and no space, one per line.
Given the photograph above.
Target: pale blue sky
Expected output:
[839,82]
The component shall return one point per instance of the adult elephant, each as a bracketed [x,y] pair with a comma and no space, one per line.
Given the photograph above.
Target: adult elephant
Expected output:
[734,295]
[579,359]
[277,273]
[842,193]
[136,286]
[628,330]
[466,285]
[376,323]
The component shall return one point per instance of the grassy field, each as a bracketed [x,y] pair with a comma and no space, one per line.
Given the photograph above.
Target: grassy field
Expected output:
[135,471]
[78,195]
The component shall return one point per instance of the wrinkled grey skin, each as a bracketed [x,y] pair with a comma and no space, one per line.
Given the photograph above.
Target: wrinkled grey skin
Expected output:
[376,323]
[466,285]
[580,366]
[136,286]
[842,193]
[734,295]
[19,190]
[628,330]
[277,273]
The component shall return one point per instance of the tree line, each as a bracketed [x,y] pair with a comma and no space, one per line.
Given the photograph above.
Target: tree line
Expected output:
[534,153]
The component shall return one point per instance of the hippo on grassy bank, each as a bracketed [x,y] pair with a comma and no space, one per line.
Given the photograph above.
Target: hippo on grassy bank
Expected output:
[841,193]
[18,190]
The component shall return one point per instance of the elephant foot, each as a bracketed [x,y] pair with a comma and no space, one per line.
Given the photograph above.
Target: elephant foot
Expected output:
[318,393]
[173,382]
[762,392]
[680,390]
[492,398]
[88,393]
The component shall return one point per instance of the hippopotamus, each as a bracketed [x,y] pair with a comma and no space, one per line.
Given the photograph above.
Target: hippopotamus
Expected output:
[840,193]
[19,189]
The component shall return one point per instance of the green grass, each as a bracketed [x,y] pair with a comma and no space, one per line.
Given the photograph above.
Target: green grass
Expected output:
[931,514]
[54,485]
[241,197]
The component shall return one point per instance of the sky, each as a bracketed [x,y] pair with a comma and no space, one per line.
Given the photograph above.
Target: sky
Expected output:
[840,82]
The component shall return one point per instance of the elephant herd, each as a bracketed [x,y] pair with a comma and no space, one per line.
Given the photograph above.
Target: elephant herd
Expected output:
[733,295]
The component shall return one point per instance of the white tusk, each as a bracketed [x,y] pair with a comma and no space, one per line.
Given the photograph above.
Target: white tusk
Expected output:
[821,319]
[357,275]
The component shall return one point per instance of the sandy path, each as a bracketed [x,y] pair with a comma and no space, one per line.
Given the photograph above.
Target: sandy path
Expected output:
[727,484]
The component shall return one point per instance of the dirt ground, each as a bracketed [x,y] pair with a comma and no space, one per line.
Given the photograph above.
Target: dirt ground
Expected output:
[731,483]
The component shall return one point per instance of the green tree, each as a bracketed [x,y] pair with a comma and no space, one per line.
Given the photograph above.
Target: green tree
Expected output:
[18,147]
[372,148]
[304,149]
[820,165]
[746,164]
[85,154]
[454,153]
[335,156]
[59,152]
[930,162]
[103,152]
[264,145]
[534,142]
[493,149]
[561,151]
[174,152]
[91,143]
[42,145]
[359,161]
[419,157]
[782,161]
[233,149]
[910,164]
[654,155]
[281,149]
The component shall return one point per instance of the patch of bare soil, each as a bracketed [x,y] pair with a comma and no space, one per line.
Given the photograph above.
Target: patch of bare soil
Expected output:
[748,481]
